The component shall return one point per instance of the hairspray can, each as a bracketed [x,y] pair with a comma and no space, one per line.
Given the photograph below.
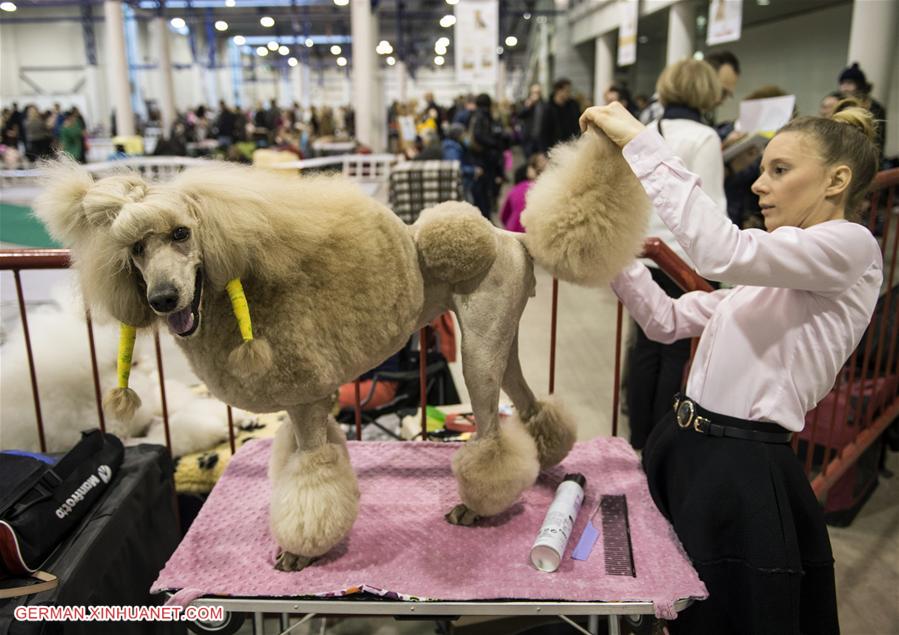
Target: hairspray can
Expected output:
[546,554]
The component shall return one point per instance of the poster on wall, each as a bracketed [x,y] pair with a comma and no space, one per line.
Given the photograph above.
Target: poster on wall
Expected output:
[725,21]
[627,32]
[476,37]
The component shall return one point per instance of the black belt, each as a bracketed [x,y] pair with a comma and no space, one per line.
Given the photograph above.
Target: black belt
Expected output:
[689,415]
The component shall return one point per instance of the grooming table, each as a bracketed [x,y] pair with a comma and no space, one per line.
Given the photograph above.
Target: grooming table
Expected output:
[402,558]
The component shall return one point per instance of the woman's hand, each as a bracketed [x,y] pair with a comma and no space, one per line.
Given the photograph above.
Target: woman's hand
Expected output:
[614,119]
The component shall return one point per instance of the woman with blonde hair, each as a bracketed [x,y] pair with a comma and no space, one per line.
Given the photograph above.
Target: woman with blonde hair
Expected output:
[686,89]
[719,464]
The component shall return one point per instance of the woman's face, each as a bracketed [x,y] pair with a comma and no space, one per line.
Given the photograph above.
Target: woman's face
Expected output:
[791,188]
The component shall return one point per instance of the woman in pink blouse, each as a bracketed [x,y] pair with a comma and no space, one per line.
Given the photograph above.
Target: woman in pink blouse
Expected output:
[719,465]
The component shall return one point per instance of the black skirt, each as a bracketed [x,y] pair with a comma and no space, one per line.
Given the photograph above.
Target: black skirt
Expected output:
[750,523]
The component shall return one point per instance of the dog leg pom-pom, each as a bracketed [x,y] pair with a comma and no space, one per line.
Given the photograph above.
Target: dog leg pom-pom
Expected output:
[251,358]
[122,402]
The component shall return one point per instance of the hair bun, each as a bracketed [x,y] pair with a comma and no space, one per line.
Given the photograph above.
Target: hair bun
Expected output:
[851,112]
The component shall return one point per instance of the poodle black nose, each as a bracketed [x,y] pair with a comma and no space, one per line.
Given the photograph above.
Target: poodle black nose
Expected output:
[164,298]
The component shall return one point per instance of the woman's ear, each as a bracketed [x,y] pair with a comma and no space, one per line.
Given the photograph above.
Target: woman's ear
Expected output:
[838,179]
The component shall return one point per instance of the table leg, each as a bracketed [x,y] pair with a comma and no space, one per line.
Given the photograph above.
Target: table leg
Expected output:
[258,623]
[614,625]
[593,624]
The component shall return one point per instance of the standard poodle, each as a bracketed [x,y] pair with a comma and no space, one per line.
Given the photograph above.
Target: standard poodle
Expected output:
[279,289]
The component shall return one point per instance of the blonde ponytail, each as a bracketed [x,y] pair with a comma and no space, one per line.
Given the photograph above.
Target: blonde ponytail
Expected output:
[852,113]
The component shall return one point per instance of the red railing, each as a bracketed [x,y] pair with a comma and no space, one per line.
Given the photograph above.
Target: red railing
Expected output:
[865,398]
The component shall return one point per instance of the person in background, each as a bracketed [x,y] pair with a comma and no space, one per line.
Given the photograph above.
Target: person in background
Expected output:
[687,90]
[431,149]
[727,66]
[38,134]
[719,465]
[853,83]
[510,216]
[560,119]
[531,116]
[225,124]
[829,103]
[454,150]
[620,93]
[486,147]
[71,136]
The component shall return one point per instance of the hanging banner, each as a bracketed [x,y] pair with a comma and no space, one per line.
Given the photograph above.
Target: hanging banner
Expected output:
[627,32]
[476,40]
[725,21]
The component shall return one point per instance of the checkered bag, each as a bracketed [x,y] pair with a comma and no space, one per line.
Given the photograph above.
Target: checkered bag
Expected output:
[417,185]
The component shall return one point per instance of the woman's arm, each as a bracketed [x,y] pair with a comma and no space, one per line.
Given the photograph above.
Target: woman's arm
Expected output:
[663,318]
[827,258]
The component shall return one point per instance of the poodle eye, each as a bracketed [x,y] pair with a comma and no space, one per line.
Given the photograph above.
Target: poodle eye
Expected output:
[137,249]
[180,234]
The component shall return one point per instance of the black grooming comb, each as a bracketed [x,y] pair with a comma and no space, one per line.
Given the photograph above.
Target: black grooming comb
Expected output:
[616,535]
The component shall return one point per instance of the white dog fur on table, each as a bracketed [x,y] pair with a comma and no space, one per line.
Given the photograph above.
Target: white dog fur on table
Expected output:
[66,387]
[335,283]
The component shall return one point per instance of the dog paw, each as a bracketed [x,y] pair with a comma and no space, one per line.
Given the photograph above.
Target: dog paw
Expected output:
[291,562]
[461,515]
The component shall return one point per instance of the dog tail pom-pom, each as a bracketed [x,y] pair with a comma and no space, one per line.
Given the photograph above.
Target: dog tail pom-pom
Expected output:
[251,358]
[122,402]
[586,215]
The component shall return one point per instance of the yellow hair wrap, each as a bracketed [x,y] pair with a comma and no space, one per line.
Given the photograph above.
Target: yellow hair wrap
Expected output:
[127,334]
[241,308]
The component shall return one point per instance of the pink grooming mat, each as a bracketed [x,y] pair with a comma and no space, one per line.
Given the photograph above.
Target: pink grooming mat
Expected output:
[401,546]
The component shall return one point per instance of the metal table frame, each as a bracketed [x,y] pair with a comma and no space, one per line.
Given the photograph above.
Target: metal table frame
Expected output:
[424,610]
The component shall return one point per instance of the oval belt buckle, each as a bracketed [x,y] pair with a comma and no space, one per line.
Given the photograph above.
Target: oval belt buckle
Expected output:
[685,413]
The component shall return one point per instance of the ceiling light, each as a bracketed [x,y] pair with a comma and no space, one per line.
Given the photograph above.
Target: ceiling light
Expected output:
[447,21]
[261,51]
[240,40]
[527,16]
[335,50]
[643,39]
[230,3]
[439,60]
[452,3]
[499,50]
[698,55]
[267,21]
[443,41]
[341,3]
[177,23]
[391,61]
[511,40]
[292,61]
[440,50]
[341,61]
[283,50]
[763,3]
[7,6]
[272,46]
[309,42]
[221,25]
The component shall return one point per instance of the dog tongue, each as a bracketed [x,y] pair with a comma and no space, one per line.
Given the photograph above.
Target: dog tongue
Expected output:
[182,321]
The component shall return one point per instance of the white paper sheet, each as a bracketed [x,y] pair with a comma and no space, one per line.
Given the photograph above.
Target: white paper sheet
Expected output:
[765,115]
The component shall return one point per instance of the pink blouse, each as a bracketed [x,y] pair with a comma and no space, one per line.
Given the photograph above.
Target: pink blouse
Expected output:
[771,347]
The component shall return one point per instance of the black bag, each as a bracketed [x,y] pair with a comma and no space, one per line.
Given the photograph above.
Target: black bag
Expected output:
[40,504]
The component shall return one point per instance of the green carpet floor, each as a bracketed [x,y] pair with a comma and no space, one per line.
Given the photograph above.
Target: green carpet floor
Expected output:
[19,227]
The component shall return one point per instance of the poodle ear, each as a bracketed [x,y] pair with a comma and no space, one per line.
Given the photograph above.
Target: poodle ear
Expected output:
[64,184]
[113,284]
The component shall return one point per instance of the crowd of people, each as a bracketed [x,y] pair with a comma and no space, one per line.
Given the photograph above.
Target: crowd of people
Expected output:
[34,135]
